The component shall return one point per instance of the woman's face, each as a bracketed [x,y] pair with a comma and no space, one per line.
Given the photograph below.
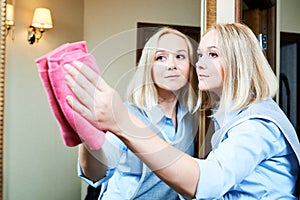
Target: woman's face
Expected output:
[171,65]
[209,68]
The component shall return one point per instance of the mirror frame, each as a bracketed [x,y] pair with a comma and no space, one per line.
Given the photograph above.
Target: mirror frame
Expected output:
[208,18]
[2,84]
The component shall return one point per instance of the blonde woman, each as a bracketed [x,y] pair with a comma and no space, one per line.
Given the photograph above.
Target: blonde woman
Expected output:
[255,150]
[162,96]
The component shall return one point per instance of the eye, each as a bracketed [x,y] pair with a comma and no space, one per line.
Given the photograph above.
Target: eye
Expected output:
[180,57]
[160,58]
[213,55]
[200,55]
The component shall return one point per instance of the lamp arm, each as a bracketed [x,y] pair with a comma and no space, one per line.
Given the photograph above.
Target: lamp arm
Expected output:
[34,34]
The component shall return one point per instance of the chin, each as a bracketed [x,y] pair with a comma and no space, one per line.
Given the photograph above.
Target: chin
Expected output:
[203,87]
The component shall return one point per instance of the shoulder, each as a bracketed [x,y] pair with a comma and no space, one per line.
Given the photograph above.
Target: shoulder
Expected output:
[260,126]
[262,117]
[266,110]
[144,115]
[138,112]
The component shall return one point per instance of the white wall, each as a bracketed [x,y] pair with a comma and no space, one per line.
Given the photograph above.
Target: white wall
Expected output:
[289,15]
[37,164]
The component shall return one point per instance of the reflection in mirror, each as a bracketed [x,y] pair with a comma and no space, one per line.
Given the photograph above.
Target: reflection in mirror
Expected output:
[2,73]
[36,164]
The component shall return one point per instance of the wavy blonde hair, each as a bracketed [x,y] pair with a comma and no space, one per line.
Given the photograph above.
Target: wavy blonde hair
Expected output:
[142,90]
[248,77]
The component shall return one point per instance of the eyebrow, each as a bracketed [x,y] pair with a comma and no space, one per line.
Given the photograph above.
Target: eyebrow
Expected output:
[209,47]
[165,50]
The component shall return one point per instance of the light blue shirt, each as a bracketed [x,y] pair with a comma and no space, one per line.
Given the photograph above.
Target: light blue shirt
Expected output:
[251,157]
[127,177]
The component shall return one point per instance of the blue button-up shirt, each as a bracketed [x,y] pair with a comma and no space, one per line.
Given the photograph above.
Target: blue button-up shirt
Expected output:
[251,158]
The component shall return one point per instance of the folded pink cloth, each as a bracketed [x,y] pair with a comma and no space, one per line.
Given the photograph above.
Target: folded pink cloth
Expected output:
[73,127]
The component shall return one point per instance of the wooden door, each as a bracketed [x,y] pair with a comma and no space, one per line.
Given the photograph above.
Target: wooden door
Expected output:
[260,16]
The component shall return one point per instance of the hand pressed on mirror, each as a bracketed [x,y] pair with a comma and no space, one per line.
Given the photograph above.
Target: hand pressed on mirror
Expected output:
[92,96]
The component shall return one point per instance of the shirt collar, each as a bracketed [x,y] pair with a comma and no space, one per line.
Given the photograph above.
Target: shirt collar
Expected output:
[221,118]
[156,114]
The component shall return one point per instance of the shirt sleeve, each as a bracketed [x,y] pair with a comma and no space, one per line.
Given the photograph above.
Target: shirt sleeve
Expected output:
[109,173]
[242,149]
[113,149]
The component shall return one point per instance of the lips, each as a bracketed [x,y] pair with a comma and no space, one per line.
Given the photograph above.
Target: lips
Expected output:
[201,76]
[172,76]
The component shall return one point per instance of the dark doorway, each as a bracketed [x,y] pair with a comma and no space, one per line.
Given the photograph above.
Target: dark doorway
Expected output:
[289,77]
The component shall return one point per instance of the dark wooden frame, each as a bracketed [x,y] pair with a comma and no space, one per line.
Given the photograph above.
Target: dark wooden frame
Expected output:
[209,14]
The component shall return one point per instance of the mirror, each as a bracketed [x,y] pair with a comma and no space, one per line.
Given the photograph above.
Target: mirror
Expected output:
[36,163]
[2,84]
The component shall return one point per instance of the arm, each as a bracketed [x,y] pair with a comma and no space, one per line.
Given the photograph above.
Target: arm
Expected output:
[92,167]
[99,164]
[103,107]
[179,170]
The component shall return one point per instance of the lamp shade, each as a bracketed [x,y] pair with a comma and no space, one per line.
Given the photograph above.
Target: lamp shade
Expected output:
[42,18]
[9,14]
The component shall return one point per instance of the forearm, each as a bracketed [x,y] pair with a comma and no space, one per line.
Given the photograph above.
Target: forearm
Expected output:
[177,169]
[94,164]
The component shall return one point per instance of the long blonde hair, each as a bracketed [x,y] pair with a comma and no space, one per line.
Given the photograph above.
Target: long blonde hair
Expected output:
[248,77]
[142,91]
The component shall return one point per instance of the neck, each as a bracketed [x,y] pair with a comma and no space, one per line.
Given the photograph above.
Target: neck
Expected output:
[168,101]
[169,107]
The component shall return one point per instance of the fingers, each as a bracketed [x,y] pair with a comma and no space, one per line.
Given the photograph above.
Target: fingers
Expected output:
[83,83]
[87,72]
[80,92]
[85,76]
[76,80]
[79,108]
[94,96]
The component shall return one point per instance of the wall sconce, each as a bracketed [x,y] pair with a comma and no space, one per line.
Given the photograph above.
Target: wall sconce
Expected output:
[9,18]
[41,20]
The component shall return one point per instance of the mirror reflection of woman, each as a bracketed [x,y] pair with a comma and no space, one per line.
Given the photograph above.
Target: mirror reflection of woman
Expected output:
[161,96]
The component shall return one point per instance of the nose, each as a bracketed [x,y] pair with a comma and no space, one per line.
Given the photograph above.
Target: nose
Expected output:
[200,64]
[171,63]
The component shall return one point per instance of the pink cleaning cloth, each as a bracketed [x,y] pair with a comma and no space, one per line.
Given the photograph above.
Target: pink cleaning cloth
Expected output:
[69,136]
[73,127]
